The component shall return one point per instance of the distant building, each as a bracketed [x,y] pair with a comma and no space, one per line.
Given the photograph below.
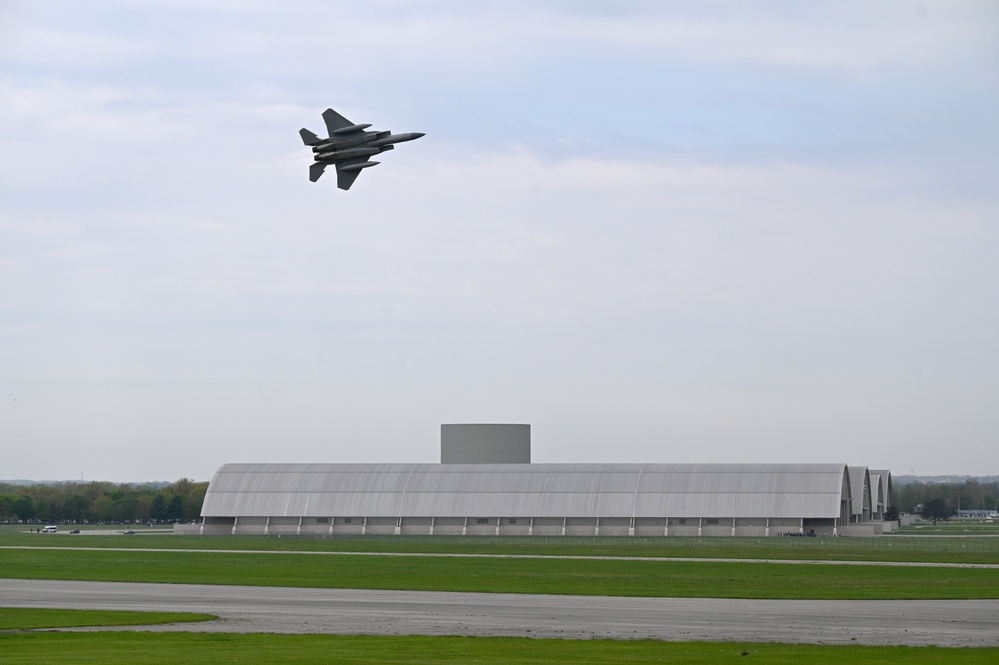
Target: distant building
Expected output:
[485,444]
[486,485]
[974,513]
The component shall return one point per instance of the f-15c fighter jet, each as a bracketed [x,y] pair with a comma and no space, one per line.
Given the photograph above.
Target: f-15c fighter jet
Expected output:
[349,147]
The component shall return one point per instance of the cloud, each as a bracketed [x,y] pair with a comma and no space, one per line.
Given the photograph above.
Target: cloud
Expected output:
[722,231]
[852,38]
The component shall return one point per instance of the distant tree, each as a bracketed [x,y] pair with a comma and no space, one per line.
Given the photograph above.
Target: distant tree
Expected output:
[125,510]
[143,507]
[936,509]
[94,490]
[175,510]
[24,508]
[194,501]
[43,509]
[76,508]
[891,514]
[158,511]
[183,487]
[102,508]
[6,506]
[967,493]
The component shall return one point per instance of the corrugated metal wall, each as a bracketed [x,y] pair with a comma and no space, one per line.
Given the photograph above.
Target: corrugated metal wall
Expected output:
[529,490]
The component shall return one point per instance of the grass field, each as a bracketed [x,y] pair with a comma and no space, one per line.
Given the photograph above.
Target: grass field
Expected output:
[586,576]
[937,547]
[269,561]
[192,649]
[951,527]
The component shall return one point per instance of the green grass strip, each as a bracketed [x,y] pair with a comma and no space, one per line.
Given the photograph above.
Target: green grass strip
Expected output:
[933,548]
[194,648]
[692,579]
[31,618]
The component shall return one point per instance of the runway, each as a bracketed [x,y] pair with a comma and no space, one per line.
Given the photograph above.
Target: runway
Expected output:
[970,623]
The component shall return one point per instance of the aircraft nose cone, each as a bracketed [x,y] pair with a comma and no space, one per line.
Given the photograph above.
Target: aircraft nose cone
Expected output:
[418,135]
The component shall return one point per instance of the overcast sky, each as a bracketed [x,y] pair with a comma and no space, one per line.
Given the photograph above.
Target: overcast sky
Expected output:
[657,232]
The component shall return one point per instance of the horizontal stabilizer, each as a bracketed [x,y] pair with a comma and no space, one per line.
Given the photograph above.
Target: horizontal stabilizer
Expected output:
[315,171]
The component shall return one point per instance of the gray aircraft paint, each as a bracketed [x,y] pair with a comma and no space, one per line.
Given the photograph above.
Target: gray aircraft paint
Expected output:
[349,147]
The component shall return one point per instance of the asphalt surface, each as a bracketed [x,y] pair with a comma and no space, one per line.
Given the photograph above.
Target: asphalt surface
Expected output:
[971,623]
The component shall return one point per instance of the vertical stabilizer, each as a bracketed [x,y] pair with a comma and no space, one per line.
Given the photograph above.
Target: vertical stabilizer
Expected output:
[308,138]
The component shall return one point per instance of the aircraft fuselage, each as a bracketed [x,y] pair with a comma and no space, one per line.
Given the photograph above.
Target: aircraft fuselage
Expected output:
[348,147]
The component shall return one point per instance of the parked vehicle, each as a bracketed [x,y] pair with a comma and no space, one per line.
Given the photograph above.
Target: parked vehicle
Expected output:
[51,528]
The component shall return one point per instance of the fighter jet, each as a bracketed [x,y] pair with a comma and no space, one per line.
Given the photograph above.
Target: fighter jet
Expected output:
[349,147]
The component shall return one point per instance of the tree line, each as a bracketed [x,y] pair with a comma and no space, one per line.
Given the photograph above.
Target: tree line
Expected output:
[100,501]
[968,495]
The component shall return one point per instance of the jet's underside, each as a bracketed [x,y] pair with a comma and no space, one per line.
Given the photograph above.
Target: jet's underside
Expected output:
[349,147]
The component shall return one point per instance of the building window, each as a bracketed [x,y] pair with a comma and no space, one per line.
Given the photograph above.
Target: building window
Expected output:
[682,520]
[712,521]
[482,520]
[347,520]
[322,520]
[513,520]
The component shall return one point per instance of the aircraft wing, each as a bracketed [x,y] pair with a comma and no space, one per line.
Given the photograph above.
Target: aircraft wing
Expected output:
[346,178]
[335,121]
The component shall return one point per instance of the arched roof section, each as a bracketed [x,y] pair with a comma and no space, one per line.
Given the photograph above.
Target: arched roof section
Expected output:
[860,485]
[529,490]
[877,491]
[886,488]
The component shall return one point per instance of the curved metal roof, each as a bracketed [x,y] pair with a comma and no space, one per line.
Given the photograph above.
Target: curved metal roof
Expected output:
[877,491]
[528,490]
[860,483]
[886,490]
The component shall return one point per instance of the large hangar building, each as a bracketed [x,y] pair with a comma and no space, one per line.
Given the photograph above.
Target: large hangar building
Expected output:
[485,485]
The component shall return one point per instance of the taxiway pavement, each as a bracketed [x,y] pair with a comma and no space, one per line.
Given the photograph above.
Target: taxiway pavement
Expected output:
[971,623]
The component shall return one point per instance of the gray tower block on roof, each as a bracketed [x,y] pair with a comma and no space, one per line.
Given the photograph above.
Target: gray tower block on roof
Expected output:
[485,444]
